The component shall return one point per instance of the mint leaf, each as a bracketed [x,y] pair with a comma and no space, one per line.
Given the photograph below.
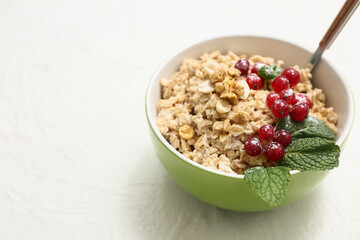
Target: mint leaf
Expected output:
[316,153]
[269,183]
[269,72]
[310,127]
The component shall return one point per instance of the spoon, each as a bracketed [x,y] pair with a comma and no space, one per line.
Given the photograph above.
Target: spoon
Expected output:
[335,28]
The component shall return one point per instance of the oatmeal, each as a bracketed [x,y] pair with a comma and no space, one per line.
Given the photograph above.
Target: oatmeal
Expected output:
[208,111]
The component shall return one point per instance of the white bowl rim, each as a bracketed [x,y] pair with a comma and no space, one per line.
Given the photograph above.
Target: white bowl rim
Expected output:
[154,79]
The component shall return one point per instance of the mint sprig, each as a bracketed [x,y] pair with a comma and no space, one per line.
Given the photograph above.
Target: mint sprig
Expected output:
[317,154]
[312,149]
[268,183]
[269,72]
[310,127]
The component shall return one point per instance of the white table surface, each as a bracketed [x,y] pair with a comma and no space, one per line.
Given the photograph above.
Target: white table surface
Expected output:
[76,161]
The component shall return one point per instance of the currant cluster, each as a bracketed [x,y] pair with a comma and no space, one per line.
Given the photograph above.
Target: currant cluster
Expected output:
[253,80]
[274,150]
[284,100]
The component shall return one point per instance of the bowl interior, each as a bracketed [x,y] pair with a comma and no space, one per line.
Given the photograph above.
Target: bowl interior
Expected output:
[338,94]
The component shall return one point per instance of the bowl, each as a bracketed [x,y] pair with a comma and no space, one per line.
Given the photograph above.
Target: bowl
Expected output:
[230,191]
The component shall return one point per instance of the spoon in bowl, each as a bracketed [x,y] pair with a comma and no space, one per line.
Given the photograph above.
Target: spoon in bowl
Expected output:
[335,28]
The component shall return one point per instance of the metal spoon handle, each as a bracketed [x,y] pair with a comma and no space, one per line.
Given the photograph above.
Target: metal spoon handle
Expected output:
[335,28]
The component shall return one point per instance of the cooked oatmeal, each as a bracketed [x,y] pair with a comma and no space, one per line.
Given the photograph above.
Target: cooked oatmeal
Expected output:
[208,111]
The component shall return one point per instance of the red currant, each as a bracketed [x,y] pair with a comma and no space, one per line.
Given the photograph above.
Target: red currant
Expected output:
[299,111]
[254,81]
[266,132]
[283,137]
[253,146]
[243,66]
[257,66]
[289,96]
[280,108]
[274,151]
[271,98]
[301,97]
[280,83]
[292,75]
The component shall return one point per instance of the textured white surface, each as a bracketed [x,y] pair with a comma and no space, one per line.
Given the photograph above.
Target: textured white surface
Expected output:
[76,161]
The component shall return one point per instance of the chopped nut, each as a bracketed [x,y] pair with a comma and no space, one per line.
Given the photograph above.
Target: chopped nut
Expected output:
[229,84]
[230,97]
[206,87]
[223,106]
[242,89]
[186,132]
[234,72]
[219,87]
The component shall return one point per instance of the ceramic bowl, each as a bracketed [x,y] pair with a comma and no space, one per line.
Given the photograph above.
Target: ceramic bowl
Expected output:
[229,191]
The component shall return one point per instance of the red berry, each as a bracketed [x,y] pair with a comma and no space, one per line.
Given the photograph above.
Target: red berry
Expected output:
[266,132]
[254,81]
[257,66]
[292,75]
[301,97]
[274,151]
[243,66]
[280,108]
[299,111]
[289,96]
[280,83]
[271,98]
[283,137]
[253,146]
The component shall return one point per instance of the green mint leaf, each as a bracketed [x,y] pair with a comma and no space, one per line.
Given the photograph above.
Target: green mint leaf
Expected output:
[315,153]
[269,72]
[277,70]
[269,183]
[310,127]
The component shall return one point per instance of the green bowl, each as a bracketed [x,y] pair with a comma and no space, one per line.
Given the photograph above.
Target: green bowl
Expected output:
[229,191]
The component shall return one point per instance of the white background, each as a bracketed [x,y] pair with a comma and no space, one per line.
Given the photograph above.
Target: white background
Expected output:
[76,161]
